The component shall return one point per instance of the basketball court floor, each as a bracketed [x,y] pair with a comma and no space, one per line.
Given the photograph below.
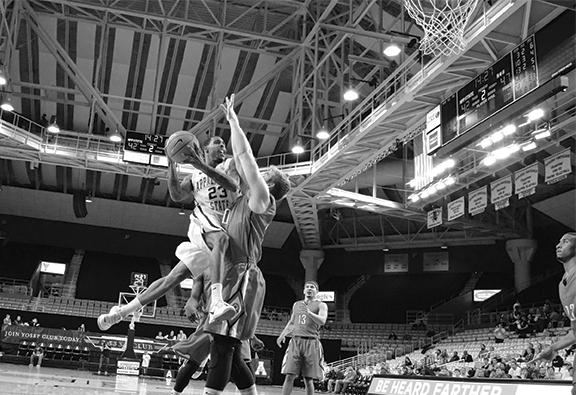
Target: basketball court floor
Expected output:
[21,379]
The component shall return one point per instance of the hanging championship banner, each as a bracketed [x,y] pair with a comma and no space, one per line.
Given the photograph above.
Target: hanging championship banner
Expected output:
[435,261]
[526,180]
[434,217]
[396,263]
[500,192]
[455,209]
[478,200]
[557,166]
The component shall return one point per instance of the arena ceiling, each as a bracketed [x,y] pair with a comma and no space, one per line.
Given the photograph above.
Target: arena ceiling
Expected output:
[158,66]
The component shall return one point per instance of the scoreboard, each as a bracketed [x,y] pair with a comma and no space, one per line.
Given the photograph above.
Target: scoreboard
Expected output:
[508,79]
[539,58]
[143,148]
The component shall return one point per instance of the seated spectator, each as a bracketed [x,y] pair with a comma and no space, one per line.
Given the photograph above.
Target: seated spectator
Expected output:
[498,372]
[18,321]
[483,351]
[456,373]
[82,328]
[557,362]
[466,357]
[159,336]
[407,362]
[499,334]
[528,353]
[334,377]
[516,311]
[170,336]
[522,327]
[551,374]
[350,376]
[34,322]
[455,357]
[7,321]
[37,355]
[181,335]
[514,371]
[392,336]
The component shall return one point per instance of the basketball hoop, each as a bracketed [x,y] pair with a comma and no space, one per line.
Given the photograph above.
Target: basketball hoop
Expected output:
[443,22]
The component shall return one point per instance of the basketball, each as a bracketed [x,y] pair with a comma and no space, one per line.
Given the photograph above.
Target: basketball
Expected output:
[178,145]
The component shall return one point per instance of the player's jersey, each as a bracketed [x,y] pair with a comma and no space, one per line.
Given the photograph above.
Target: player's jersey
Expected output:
[246,230]
[303,325]
[211,199]
[567,291]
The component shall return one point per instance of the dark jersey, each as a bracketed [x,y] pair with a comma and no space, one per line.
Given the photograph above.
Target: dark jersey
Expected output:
[567,291]
[303,325]
[246,230]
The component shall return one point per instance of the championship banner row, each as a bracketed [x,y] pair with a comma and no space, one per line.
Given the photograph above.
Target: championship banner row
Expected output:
[523,182]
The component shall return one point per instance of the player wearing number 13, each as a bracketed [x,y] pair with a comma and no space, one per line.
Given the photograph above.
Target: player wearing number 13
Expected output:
[304,355]
[566,254]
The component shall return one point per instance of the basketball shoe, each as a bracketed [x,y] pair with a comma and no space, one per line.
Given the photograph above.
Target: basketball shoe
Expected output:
[221,311]
[105,321]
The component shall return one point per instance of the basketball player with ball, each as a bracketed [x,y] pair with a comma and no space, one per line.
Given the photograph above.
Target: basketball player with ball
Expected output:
[213,185]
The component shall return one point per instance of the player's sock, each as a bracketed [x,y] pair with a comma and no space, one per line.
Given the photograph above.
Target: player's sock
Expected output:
[131,307]
[215,294]
[210,391]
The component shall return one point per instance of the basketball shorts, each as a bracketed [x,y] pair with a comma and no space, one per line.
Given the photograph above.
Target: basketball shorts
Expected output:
[194,253]
[196,347]
[304,357]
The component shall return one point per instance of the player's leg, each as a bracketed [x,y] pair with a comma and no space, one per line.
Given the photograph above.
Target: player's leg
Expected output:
[156,290]
[220,367]
[196,348]
[241,373]
[219,310]
[288,384]
[309,385]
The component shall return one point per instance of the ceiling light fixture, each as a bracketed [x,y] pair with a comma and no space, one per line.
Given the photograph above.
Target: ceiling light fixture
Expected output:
[3,78]
[392,50]
[53,128]
[7,105]
[322,134]
[115,137]
[509,129]
[351,94]
[298,148]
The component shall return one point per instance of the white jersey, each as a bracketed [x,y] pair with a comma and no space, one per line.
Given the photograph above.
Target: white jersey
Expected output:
[211,199]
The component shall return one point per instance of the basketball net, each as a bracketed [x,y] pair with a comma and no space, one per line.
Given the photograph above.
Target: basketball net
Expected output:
[137,288]
[443,22]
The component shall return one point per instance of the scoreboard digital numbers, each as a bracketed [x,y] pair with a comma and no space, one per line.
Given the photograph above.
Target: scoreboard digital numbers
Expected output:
[505,81]
[143,148]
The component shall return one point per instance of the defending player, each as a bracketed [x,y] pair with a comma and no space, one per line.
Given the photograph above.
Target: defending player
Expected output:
[566,254]
[304,355]
[213,187]
[250,216]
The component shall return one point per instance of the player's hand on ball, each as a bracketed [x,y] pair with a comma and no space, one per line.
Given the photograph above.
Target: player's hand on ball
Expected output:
[280,341]
[193,157]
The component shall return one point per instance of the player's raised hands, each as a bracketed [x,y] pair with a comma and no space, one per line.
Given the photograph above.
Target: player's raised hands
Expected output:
[228,109]
[194,156]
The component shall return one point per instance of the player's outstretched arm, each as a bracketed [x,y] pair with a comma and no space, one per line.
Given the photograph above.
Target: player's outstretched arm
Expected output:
[179,191]
[193,302]
[259,198]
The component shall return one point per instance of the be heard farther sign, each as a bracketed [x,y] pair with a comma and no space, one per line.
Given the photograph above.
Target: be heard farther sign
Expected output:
[409,386]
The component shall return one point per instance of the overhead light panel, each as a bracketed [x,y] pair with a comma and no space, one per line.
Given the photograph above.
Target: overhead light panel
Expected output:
[509,129]
[529,146]
[540,134]
[3,78]
[535,114]
[489,160]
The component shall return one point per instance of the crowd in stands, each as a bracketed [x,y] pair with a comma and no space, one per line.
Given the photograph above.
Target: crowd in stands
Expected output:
[273,314]
[18,321]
